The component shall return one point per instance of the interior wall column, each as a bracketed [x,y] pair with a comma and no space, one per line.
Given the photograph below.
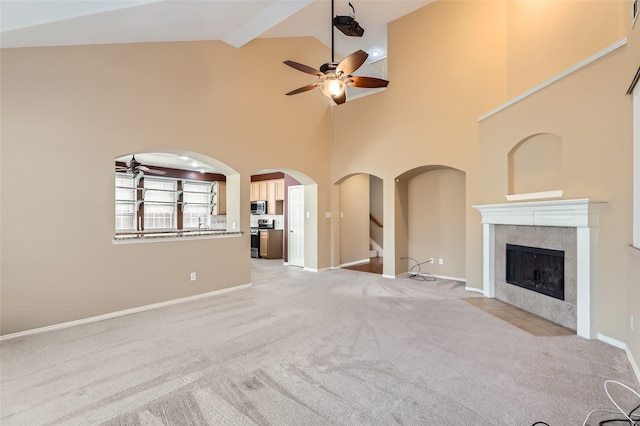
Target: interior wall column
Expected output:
[395,231]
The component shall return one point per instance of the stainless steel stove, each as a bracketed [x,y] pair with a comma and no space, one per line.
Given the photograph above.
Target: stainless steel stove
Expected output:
[255,235]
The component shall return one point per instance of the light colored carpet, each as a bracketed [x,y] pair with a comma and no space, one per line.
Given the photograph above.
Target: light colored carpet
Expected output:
[301,348]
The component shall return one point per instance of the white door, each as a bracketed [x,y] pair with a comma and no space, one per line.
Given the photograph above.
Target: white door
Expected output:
[296,225]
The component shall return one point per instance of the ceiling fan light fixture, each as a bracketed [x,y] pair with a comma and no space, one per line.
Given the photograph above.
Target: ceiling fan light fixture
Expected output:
[332,87]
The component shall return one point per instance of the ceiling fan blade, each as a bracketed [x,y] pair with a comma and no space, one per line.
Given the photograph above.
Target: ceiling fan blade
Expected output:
[148,170]
[302,89]
[304,68]
[352,62]
[340,99]
[366,82]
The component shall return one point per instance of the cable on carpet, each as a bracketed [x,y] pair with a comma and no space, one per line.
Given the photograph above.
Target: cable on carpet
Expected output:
[416,274]
[632,418]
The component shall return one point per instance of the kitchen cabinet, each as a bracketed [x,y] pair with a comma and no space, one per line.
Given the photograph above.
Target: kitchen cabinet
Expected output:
[258,191]
[264,190]
[279,189]
[271,244]
[220,198]
[270,190]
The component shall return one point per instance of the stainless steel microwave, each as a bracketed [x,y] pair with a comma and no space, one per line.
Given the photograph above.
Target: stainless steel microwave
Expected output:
[259,207]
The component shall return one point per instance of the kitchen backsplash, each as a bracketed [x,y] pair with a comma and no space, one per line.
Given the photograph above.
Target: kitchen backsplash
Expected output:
[278,220]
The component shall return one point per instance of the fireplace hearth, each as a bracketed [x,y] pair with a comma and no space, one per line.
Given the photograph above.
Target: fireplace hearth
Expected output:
[536,269]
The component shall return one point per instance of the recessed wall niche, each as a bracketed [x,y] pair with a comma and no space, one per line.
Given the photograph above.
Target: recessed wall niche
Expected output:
[535,164]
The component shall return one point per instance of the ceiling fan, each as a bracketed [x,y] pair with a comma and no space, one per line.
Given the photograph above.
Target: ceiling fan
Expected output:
[134,168]
[334,77]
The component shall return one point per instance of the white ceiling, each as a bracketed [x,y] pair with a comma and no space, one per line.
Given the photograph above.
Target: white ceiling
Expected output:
[29,23]
[33,23]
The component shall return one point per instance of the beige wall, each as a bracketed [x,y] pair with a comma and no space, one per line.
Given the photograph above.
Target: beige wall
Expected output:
[547,37]
[68,112]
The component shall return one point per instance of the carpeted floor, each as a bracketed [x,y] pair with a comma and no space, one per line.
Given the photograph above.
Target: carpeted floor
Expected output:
[301,348]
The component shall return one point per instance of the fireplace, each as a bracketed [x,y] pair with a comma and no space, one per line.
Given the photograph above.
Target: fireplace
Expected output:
[536,269]
[569,225]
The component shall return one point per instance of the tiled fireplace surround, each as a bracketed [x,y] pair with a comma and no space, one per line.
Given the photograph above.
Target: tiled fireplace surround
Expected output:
[568,225]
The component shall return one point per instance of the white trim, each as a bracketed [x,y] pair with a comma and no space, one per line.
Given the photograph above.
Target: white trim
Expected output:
[475,290]
[557,77]
[444,277]
[534,195]
[636,166]
[124,312]
[305,268]
[582,214]
[613,342]
[634,364]
[391,277]
[621,345]
[357,262]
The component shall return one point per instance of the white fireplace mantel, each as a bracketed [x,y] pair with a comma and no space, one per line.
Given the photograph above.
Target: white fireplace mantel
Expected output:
[582,214]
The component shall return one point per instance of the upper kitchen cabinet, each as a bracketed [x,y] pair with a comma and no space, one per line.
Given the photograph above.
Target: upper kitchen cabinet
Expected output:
[271,189]
[258,191]
[280,189]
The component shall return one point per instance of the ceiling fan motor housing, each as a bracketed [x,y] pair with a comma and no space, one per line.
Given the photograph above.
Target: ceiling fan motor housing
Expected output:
[329,67]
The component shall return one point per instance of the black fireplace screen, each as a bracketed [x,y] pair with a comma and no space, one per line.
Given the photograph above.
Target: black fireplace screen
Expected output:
[536,269]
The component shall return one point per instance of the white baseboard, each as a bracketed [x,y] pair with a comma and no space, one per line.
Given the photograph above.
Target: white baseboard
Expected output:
[476,290]
[634,364]
[444,277]
[622,345]
[124,312]
[613,342]
[391,277]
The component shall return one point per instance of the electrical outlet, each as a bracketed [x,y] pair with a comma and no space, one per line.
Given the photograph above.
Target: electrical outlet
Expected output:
[441,261]
[431,260]
[193,276]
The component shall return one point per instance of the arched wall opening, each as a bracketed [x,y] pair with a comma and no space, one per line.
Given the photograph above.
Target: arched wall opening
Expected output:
[431,221]
[361,218]
[299,226]
[227,210]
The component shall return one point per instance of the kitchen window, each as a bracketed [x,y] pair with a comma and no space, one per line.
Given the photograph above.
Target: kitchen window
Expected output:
[125,203]
[197,198]
[163,206]
[160,204]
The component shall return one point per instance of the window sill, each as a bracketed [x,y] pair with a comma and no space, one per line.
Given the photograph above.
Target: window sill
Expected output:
[151,237]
